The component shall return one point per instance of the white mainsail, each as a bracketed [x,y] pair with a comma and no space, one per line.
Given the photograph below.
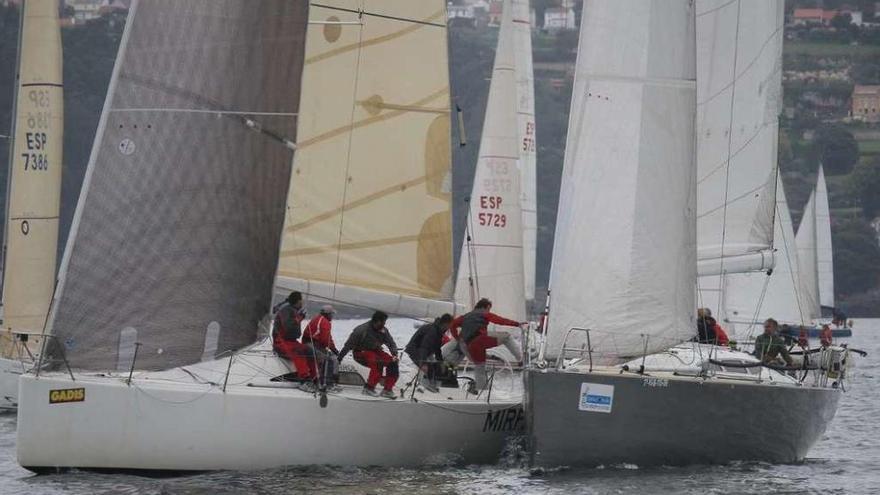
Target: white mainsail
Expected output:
[525,97]
[739,62]
[624,259]
[369,208]
[824,250]
[491,263]
[808,257]
[753,297]
[34,190]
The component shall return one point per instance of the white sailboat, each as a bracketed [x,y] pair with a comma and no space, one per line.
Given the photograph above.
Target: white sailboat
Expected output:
[187,270]
[808,257]
[33,193]
[623,294]
[824,249]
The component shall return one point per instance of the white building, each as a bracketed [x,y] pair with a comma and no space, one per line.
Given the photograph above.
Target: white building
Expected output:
[559,19]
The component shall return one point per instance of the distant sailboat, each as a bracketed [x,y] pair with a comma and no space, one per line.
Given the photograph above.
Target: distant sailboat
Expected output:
[33,193]
[192,163]
[625,257]
[808,257]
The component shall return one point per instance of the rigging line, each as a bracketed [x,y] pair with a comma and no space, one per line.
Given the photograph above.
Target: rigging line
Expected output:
[361,12]
[751,328]
[701,14]
[734,200]
[729,146]
[473,278]
[357,73]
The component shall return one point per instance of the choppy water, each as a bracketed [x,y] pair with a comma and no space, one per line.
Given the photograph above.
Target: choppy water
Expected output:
[846,460]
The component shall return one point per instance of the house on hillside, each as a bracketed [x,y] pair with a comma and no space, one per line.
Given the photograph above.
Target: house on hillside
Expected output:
[822,17]
[866,103]
[559,19]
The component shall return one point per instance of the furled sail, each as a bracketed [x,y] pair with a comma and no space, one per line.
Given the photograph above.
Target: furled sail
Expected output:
[525,97]
[491,263]
[753,297]
[34,189]
[824,251]
[624,259]
[369,212]
[808,257]
[739,88]
[178,223]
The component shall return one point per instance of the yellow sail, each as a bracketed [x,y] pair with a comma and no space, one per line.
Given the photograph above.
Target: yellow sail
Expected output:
[35,172]
[369,211]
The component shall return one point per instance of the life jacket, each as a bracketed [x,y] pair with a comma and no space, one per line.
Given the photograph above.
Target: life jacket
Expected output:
[471,324]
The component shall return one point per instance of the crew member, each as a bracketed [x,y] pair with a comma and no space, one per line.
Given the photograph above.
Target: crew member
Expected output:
[285,337]
[474,338]
[366,341]
[769,345]
[825,337]
[708,329]
[424,348]
[318,335]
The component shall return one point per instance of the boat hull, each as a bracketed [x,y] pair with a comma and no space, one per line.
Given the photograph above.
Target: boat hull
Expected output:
[674,421]
[10,371]
[162,427]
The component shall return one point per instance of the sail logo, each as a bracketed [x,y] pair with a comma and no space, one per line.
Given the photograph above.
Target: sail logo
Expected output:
[596,397]
[61,396]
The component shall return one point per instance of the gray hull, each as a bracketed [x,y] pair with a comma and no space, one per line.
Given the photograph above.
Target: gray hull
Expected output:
[672,421]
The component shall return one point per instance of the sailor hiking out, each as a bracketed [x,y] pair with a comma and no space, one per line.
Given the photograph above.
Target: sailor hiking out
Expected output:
[474,339]
[285,338]
[366,342]
[425,349]
[318,337]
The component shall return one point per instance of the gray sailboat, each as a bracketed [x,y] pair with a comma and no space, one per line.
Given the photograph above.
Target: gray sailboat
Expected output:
[618,380]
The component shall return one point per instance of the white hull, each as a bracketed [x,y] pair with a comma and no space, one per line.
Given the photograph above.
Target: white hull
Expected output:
[163,423]
[10,371]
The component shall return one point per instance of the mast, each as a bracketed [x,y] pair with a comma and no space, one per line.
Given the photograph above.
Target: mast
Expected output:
[492,252]
[369,217]
[624,259]
[34,188]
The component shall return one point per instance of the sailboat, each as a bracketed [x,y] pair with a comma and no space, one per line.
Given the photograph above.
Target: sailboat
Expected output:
[185,218]
[618,384]
[33,194]
[815,255]
[500,223]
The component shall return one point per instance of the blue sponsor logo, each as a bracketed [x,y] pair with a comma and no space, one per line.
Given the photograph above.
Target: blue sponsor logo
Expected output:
[600,400]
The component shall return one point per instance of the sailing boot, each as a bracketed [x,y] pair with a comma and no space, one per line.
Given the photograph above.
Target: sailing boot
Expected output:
[370,391]
[388,394]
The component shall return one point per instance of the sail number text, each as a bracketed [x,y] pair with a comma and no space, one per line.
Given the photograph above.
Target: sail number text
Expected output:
[488,218]
[528,142]
[36,158]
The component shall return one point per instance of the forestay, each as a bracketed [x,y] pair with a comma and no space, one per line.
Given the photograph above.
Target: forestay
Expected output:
[34,189]
[624,259]
[808,257]
[528,143]
[491,263]
[369,212]
[824,250]
[178,223]
[739,74]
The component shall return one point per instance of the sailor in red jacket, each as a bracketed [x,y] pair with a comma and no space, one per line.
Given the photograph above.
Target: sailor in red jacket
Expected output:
[318,335]
[474,336]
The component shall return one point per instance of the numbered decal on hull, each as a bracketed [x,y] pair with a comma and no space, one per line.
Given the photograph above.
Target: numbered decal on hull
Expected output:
[596,397]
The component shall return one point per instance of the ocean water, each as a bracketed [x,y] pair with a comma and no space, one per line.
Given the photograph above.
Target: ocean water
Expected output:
[846,460]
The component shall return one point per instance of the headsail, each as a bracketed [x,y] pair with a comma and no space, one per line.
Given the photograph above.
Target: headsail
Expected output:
[528,143]
[178,223]
[369,212]
[624,259]
[808,257]
[824,251]
[751,297]
[34,190]
[491,263]
[739,88]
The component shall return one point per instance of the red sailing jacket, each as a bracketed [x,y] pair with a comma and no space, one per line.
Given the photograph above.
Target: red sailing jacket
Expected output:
[318,333]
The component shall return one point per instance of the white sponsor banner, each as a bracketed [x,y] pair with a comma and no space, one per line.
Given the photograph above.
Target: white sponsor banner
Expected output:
[596,397]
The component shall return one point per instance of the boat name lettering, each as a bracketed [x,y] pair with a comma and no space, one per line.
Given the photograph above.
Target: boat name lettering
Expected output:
[60,396]
[512,419]
[655,382]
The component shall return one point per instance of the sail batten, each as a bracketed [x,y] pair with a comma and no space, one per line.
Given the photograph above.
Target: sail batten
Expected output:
[34,189]
[624,259]
[369,208]
[177,229]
